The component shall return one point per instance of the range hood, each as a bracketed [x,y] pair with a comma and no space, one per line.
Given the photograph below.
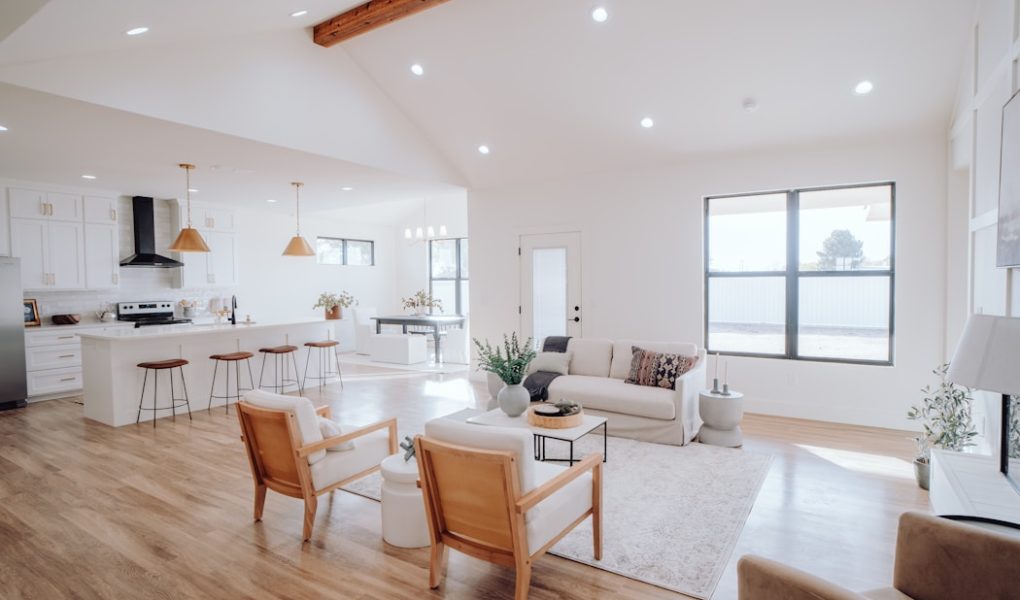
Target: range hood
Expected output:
[145,239]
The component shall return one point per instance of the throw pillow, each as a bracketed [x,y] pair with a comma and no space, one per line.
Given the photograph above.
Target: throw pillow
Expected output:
[658,369]
[551,362]
[330,429]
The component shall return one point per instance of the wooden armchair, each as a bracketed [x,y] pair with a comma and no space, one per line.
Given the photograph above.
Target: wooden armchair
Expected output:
[487,497]
[287,453]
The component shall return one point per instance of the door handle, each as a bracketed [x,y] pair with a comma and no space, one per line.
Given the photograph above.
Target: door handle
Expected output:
[576,319]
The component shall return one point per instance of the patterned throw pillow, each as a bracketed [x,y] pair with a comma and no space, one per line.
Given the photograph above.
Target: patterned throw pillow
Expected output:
[658,369]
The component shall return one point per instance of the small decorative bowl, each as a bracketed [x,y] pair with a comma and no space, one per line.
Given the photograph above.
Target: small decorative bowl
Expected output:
[66,319]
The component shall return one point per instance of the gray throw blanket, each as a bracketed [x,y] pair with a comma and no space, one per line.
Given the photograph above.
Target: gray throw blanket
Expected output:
[538,382]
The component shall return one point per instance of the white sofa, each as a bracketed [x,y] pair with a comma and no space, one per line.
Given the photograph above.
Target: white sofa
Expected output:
[598,368]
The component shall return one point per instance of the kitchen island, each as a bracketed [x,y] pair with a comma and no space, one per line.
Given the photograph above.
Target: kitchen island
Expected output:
[113,382]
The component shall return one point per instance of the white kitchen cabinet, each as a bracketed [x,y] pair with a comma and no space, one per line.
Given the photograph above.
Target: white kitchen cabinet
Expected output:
[54,381]
[102,256]
[5,227]
[100,210]
[53,357]
[218,267]
[35,204]
[215,219]
[51,252]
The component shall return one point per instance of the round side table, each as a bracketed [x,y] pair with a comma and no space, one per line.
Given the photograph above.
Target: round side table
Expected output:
[403,510]
[722,416]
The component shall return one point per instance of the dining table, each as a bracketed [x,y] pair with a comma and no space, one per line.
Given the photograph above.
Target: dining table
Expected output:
[426,324]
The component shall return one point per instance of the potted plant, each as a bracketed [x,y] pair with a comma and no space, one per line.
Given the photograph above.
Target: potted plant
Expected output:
[946,422]
[421,302]
[334,304]
[510,363]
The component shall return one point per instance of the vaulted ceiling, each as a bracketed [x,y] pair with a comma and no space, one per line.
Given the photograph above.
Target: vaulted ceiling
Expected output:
[550,91]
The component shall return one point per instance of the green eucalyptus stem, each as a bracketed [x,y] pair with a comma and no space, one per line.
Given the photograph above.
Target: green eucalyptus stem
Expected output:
[509,362]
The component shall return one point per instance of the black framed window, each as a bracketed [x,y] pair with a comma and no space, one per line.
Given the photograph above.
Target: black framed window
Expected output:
[341,251]
[448,274]
[804,274]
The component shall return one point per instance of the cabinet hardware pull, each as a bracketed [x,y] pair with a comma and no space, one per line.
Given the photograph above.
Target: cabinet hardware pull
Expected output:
[66,337]
[66,356]
[68,379]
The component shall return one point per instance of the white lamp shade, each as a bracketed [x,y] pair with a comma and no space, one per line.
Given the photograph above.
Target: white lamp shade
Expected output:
[988,355]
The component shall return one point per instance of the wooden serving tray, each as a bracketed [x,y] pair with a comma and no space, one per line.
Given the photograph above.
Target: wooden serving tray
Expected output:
[547,422]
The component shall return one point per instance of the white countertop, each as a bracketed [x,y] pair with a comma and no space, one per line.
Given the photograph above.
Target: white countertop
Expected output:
[93,324]
[188,329]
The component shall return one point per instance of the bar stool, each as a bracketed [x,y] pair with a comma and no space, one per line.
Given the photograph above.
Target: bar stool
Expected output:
[236,358]
[157,366]
[279,354]
[324,369]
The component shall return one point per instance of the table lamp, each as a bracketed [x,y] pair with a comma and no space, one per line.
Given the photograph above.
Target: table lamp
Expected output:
[988,358]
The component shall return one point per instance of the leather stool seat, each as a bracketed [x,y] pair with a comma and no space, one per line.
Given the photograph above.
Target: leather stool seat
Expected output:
[172,363]
[279,349]
[326,344]
[232,356]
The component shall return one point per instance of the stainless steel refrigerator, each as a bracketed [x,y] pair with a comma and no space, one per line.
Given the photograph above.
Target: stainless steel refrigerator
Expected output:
[13,389]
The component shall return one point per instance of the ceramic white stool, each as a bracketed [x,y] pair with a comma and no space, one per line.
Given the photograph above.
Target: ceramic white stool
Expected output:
[403,510]
[722,416]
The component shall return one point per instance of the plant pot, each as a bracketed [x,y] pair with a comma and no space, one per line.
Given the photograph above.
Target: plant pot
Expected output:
[420,312]
[333,314]
[514,400]
[922,472]
[495,384]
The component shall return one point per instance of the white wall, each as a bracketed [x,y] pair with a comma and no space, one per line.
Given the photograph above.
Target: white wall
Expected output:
[413,256]
[642,274]
[988,80]
[274,287]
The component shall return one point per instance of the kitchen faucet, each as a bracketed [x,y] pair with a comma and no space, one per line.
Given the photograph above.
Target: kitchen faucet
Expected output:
[233,310]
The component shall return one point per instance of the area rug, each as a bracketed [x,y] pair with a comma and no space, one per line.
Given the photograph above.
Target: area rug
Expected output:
[672,514]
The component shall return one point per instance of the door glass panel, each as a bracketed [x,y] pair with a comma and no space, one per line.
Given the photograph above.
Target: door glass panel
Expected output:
[549,292]
[747,314]
[844,317]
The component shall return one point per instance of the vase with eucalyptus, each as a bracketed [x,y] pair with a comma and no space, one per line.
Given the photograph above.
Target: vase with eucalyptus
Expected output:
[334,304]
[946,422]
[421,302]
[510,363]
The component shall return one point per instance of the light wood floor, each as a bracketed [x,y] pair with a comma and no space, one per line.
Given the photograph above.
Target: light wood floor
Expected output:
[87,511]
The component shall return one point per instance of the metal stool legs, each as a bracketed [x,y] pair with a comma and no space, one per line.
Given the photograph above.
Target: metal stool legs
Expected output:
[325,372]
[280,375]
[226,384]
[174,400]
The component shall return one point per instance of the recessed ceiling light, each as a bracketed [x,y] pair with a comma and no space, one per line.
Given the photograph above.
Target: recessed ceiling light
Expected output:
[137,31]
[483,149]
[2,128]
[599,14]
[647,122]
[347,188]
[750,105]
[87,176]
[271,201]
[417,69]
[193,190]
[864,87]
[299,13]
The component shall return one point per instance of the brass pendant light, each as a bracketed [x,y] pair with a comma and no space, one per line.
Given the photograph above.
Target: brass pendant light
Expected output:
[298,245]
[188,240]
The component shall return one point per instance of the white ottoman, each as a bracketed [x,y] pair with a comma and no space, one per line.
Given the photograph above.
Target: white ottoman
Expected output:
[399,349]
[722,416]
[403,510]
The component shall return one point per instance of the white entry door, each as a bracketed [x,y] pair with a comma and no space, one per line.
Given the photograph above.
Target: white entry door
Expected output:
[550,285]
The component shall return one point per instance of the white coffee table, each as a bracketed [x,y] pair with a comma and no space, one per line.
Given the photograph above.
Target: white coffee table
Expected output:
[570,435]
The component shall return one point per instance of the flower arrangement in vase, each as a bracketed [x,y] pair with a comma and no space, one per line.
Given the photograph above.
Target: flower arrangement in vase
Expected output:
[421,302]
[510,363]
[334,304]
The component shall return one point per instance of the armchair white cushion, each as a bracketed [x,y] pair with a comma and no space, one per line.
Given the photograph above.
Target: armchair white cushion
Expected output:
[369,452]
[304,412]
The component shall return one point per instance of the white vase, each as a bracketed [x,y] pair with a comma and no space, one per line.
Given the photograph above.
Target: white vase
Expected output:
[514,400]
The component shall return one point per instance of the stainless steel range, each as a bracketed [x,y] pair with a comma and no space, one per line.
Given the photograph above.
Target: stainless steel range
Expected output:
[157,312]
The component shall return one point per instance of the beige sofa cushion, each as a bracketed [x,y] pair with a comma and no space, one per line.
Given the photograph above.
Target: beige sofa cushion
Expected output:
[623,353]
[590,356]
[613,395]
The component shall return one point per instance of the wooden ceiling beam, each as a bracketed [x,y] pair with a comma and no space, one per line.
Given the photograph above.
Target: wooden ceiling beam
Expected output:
[366,17]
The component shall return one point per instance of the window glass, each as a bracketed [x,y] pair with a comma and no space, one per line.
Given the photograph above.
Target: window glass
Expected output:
[446,292]
[846,229]
[747,233]
[444,259]
[329,251]
[360,253]
[464,258]
[747,314]
[844,317]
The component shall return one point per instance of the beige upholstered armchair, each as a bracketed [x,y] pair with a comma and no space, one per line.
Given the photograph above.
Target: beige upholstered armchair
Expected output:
[486,496]
[287,453]
[936,559]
